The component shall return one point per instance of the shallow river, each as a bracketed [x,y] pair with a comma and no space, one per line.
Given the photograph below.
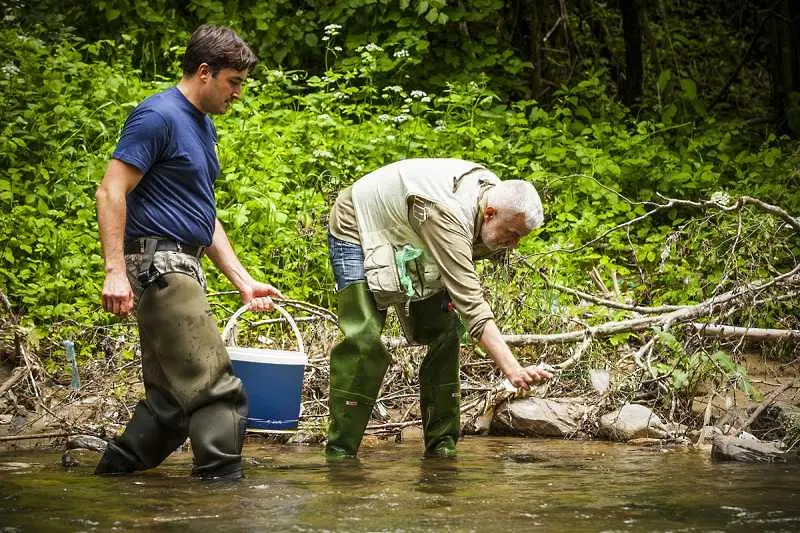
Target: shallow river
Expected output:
[496,484]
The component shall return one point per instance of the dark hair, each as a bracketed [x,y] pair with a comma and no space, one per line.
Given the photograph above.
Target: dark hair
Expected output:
[218,46]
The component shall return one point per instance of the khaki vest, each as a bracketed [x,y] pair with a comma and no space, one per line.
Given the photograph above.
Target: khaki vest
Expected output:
[381,205]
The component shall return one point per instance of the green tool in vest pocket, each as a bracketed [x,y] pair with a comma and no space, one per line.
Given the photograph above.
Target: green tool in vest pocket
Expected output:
[401,257]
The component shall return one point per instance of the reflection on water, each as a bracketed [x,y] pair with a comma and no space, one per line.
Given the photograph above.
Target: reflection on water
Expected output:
[496,484]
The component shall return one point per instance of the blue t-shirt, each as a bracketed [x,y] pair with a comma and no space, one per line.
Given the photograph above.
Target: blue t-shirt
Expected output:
[174,145]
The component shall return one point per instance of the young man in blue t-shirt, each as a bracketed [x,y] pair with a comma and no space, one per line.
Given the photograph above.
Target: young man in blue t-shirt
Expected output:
[157,217]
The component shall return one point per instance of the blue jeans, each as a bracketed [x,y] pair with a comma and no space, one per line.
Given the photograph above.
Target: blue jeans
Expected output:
[347,260]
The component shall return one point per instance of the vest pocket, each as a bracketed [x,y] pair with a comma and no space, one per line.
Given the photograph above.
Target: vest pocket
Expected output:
[381,274]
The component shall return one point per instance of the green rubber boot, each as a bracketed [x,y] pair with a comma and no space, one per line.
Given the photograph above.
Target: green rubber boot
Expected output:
[155,431]
[358,364]
[437,326]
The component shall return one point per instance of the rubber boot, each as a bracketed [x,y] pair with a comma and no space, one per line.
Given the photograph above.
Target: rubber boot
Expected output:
[437,325]
[358,364]
[146,442]
[217,434]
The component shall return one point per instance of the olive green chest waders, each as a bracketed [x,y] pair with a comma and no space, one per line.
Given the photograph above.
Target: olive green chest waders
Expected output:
[190,389]
[359,363]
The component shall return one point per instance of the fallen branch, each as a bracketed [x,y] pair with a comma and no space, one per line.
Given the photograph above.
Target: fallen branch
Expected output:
[679,315]
[725,331]
[766,403]
[16,375]
[55,435]
[683,314]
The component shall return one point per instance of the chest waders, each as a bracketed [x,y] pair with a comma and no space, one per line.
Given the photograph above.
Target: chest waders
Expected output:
[190,390]
[359,363]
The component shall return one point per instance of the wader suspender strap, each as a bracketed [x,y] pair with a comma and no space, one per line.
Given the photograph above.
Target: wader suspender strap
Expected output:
[148,273]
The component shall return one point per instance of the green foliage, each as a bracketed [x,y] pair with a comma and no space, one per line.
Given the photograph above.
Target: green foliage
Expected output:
[298,137]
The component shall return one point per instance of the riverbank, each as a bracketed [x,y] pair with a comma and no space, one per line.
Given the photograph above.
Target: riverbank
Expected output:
[45,412]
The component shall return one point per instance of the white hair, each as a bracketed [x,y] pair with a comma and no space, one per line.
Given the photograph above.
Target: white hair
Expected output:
[517,196]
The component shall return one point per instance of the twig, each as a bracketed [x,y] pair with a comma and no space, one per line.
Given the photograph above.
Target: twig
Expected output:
[672,202]
[56,435]
[5,302]
[24,353]
[576,354]
[601,301]
[16,375]
[394,425]
[767,401]
[642,357]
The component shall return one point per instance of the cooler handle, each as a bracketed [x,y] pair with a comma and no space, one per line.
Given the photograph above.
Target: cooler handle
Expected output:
[230,339]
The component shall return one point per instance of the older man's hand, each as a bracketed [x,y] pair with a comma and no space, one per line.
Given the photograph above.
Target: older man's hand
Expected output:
[526,376]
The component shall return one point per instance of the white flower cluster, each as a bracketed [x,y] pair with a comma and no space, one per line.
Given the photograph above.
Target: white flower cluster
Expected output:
[10,70]
[393,88]
[721,198]
[418,94]
[401,54]
[332,29]
[322,154]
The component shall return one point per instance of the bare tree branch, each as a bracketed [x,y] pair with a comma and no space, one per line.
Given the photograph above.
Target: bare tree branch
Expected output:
[725,331]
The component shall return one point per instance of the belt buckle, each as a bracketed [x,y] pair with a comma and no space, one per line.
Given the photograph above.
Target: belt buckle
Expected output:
[141,246]
[178,247]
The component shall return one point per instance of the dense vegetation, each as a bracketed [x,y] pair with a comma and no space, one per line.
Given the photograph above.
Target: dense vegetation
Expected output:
[346,86]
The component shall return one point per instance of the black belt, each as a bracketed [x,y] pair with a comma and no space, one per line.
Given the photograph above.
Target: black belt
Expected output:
[137,246]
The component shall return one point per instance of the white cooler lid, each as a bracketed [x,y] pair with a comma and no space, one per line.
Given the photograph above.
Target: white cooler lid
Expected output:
[263,355]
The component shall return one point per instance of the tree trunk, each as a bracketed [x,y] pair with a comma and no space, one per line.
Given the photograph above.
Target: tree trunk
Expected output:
[784,36]
[535,29]
[634,66]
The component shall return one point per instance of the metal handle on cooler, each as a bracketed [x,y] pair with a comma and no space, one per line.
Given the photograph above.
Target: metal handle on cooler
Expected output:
[230,339]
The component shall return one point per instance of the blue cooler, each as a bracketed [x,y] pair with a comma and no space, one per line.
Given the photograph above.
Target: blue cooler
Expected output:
[273,379]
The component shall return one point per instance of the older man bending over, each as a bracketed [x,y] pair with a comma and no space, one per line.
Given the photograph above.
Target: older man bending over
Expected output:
[407,235]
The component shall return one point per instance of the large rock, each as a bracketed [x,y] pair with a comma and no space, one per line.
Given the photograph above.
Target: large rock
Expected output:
[748,450]
[537,417]
[632,421]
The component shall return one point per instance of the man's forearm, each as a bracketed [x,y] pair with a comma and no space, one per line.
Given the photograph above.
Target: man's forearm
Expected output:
[492,341]
[111,213]
[224,257]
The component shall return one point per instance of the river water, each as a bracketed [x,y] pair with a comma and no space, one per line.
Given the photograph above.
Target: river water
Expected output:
[496,484]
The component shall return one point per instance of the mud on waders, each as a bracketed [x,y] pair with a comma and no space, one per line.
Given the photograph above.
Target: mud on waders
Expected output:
[190,390]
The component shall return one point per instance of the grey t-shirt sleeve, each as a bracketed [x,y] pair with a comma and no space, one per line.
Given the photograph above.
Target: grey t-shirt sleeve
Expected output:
[451,249]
